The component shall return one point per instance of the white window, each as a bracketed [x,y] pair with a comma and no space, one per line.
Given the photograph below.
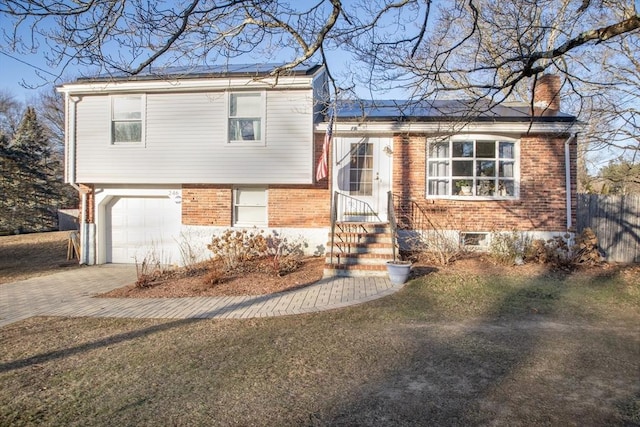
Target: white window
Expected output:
[126,119]
[473,167]
[361,169]
[246,112]
[250,206]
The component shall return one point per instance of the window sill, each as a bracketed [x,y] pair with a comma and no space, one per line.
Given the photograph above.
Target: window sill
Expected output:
[249,225]
[128,144]
[475,198]
[246,144]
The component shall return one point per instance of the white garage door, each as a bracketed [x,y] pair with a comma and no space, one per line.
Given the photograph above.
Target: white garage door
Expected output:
[142,227]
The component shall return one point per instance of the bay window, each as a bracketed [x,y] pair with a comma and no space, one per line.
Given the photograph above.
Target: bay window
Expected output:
[479,167]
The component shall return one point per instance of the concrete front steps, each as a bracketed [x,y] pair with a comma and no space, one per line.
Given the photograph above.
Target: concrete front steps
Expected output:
[359,249]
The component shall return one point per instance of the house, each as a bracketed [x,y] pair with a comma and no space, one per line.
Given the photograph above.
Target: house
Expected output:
[164,161]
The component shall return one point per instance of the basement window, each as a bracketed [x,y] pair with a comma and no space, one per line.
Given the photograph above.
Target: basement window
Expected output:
[475,240]
[250,207]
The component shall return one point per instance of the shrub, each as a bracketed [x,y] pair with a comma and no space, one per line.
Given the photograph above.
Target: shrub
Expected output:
[555,251]
[214,276]
[434,246]
[191,253]
[285,255]
[152,268]
[238,249]
[509,248]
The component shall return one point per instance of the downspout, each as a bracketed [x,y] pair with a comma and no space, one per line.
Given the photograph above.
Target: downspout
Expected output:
[70,132]
[567,170]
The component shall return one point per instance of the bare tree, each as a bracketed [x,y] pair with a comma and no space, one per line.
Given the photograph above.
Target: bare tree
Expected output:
[50,107]
[484,49]
[130,36]
[10,111]
[496,49]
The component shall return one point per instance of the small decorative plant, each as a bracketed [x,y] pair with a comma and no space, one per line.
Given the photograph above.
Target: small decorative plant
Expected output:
[464,187]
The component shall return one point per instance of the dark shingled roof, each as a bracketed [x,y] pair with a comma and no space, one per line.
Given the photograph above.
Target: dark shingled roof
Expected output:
[405,110]
[213,71]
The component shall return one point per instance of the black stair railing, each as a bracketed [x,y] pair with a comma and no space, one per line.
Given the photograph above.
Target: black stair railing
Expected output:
[393,224]
[343,208]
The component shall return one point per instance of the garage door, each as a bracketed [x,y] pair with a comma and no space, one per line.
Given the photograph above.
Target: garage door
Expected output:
[142,227]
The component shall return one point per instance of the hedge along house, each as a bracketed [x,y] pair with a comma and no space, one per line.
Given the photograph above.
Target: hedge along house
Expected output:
[158,160]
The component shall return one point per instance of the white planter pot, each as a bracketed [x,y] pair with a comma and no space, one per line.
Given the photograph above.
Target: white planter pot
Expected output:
[398,271]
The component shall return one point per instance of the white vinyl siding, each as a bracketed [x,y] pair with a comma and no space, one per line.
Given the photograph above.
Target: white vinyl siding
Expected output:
[186,142]
[250,207]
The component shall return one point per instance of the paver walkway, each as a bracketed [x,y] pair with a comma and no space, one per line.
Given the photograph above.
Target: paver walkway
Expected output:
[71,293]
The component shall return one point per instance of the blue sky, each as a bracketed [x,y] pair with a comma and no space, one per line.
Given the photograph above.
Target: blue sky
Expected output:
[25,75]
[16,76]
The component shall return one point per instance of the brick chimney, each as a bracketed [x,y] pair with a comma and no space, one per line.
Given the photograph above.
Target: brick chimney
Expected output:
[546,94]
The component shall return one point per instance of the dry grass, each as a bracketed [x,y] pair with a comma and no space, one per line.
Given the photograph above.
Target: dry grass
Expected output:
[455,347]
[29,255]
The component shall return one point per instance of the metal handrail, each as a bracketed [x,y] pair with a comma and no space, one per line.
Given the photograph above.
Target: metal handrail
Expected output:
[362,209]
[412,216]
[358,207]
[334,218]
[391,215]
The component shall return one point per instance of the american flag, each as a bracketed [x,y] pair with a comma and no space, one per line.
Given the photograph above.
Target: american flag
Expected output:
[323,164]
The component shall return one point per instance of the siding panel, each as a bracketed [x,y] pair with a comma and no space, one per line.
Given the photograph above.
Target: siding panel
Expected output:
[186,142]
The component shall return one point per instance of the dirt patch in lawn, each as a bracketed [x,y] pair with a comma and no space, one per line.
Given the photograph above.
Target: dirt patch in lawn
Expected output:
[260,281]
[28,255]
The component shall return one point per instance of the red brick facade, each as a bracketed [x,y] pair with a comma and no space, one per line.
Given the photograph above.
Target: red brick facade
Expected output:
[540,207]
[207,205]
[90,217]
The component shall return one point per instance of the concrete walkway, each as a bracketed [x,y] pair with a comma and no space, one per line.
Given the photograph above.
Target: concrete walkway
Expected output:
[70,293]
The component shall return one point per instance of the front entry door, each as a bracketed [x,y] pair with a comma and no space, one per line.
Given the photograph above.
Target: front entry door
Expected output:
[363,175]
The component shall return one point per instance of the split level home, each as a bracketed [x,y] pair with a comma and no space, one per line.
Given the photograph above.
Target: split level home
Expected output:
[164,162]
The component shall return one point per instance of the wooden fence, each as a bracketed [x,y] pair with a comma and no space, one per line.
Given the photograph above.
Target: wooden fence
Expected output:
[616,222]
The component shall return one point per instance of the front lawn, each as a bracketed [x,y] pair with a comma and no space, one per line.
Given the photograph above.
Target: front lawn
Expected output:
[454,347]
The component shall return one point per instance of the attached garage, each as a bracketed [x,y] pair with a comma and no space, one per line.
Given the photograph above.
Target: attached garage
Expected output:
[142,227]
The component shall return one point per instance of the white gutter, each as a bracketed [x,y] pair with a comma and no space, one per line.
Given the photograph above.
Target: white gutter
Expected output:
[394,127]
[188,85]
[567,171]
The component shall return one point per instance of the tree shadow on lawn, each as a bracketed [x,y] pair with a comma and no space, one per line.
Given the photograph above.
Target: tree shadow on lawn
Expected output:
[502,369]
[511,366]
[93,345]
[25,260]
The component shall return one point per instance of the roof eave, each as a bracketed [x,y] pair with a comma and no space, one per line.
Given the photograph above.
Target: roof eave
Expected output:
[390,127]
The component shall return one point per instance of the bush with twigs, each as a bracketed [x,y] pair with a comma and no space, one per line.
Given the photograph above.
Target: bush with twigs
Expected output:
[244,250]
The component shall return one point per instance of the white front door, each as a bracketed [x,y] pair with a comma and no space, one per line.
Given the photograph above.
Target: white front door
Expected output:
[363,176]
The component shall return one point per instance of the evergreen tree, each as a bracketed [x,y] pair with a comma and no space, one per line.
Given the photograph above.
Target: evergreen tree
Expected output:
[29,165]
[51,115]
[8,190]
